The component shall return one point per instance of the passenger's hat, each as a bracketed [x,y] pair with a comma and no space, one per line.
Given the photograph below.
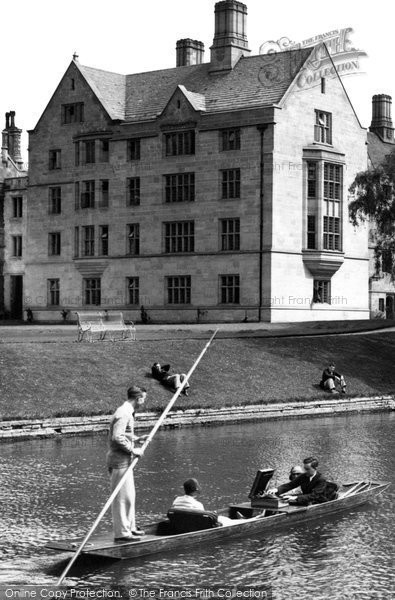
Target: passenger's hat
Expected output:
[297,470]
[191,485]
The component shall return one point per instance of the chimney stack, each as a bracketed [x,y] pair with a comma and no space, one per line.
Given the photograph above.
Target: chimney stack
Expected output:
[381,117]
[189,52]
[230,38]
[11,141]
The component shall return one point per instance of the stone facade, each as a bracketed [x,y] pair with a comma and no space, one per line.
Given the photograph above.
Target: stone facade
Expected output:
[381,142]
[243,126]
[295,267]
[15,211]
[13,198]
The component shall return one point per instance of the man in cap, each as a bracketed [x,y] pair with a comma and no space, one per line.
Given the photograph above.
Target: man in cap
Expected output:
[120,455]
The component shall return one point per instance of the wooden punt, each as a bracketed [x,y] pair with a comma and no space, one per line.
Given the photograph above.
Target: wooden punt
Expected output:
[158,537]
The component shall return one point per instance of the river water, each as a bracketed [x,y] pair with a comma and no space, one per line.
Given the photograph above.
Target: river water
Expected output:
[53,489]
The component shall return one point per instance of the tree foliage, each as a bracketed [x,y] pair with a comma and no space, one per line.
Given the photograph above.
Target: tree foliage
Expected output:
[374,201]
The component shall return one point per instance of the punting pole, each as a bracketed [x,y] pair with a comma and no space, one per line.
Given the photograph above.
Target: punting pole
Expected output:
[135,461]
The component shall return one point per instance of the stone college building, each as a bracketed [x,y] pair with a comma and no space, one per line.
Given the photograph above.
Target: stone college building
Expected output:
[211,190]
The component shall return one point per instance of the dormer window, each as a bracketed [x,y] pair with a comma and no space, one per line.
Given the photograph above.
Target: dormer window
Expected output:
[323,127]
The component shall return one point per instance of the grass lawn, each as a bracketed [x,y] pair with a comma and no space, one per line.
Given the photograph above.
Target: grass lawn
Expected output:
[70,379]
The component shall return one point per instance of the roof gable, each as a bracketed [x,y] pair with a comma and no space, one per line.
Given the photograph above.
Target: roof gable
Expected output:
[72,71]
[182,107]
[309,65]
[109,88]
[197,101]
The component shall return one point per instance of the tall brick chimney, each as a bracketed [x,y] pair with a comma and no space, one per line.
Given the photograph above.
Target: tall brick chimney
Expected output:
[381,117]
[230,37]
[4,139]
[11,140]
[189,52]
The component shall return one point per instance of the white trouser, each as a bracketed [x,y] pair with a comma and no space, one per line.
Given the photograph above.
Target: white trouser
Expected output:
[123,507]
[176,380]
[330,383]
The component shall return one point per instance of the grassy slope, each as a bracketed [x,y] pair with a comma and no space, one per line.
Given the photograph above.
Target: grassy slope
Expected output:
[65,379]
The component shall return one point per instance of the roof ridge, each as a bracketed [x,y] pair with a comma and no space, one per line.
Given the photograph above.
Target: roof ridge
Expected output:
[168,69]
[306,48]
[101,70]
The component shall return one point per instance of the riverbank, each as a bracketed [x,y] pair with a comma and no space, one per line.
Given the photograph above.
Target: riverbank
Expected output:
[51,428]
[46,381]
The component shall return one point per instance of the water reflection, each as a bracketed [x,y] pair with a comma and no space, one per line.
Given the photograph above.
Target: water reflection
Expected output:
[54,489]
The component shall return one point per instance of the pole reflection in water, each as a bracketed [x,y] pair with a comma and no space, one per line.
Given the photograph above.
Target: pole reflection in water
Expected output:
[54,489]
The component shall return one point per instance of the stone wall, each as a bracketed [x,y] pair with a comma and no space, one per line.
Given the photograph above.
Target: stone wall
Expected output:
[44,428]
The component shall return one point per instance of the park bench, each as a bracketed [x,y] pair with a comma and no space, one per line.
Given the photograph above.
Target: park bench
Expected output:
[101,322]
[114,322]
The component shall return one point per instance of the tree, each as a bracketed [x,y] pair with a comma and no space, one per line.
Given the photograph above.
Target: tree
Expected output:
[374,201]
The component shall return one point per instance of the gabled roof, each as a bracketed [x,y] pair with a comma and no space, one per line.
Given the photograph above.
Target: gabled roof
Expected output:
[198,101]
[378,149]
[109,89]
[255,82]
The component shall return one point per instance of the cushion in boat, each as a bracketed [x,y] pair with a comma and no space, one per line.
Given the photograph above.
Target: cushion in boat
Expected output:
[183,520]
[331,490]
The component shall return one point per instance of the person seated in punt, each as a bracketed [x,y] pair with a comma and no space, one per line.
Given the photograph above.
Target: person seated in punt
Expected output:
[295,472]
[311,482]
[161,374]
[330,377]
[189,501]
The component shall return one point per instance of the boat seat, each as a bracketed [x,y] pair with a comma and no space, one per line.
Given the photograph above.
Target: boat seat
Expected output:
[183,520]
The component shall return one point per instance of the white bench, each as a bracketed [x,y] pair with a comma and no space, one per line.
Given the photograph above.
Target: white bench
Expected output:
[89,323]
[101,322]
[114,323]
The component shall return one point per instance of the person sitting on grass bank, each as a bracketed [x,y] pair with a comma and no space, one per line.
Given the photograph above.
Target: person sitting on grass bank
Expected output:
[172,381]
[189,501]
[330,378]
[311,482]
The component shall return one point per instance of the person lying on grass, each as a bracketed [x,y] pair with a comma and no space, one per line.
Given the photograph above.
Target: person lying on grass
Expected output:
[330,378]
[161,373]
